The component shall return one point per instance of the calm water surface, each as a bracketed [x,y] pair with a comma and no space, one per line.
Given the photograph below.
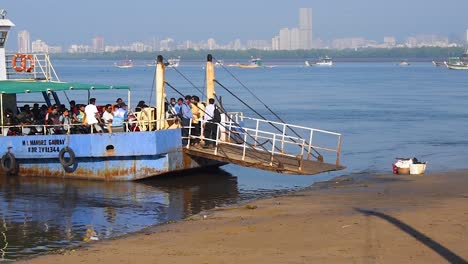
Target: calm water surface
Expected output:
[382,110]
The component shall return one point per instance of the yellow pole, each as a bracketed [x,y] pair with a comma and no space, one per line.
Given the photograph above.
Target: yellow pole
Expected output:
[210,77]
[160,94]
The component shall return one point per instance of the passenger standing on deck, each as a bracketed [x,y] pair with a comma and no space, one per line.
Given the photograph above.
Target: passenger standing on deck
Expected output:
[185,114]
[92,116]
[211,124]
[197,110]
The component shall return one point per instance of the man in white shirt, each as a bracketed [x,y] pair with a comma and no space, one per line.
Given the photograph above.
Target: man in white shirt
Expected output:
[210,126]
[92,116]
[107,116]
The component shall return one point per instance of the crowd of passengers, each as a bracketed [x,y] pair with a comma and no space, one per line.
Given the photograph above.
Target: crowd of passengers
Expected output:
[84,119]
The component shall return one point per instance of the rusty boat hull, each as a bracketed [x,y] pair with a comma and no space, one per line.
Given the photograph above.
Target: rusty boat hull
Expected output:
[107,156]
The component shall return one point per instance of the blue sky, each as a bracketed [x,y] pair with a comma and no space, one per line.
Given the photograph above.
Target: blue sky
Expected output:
[62,22]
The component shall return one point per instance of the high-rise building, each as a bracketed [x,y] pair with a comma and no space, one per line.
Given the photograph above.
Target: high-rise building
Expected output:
[275,43]
[98,45]
[285,39]
[467,36]
[24,44]
[305,28]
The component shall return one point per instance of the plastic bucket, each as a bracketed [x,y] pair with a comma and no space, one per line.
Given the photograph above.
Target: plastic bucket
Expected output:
[416,169]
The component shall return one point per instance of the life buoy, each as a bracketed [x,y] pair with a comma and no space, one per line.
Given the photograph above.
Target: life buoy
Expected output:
[8,163]
[67,162]
[24,62]
[14,61]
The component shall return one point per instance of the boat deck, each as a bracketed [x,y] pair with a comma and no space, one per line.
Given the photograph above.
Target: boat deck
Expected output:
[262,160]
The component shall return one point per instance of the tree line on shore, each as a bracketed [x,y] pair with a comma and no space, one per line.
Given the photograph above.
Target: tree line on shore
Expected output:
[423,53]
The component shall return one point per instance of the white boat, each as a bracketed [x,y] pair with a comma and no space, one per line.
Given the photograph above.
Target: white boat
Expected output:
[323,61]
[254,63]
[455,63]
[404,63]
[219,63]
[173,62]
[124,64]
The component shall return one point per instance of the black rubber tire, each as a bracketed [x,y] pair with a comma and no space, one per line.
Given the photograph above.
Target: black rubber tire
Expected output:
[8,163]
[64,161]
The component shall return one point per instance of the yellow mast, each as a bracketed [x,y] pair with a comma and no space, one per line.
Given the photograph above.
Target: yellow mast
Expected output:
[210,77]
[160,94]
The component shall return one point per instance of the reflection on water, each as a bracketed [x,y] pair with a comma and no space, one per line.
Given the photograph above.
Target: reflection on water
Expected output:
[39,215]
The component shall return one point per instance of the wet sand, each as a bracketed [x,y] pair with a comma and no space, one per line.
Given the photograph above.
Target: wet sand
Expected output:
[365,219]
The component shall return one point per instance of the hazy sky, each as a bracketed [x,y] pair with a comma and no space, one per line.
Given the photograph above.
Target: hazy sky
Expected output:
[62,22]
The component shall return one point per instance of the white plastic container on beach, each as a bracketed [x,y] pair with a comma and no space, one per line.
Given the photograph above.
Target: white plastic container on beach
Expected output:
[416,169]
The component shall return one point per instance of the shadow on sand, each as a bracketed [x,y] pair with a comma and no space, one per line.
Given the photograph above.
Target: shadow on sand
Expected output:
[438,248]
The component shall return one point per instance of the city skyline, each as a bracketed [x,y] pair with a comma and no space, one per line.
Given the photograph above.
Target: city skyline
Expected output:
[80,21]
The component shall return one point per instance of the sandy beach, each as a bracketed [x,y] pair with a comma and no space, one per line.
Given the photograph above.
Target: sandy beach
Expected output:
[354,219]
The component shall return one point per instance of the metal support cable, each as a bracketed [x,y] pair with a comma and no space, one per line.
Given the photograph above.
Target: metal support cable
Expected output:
[277,128]
[236,124]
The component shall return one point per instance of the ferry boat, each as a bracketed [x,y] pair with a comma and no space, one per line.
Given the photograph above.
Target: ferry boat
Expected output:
[173,62]
[254,63]
[125,64]
[323,61]
[147,145]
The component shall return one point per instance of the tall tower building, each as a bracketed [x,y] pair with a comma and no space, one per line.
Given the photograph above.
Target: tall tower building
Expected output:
[24,44]
[98,45]
[305,28]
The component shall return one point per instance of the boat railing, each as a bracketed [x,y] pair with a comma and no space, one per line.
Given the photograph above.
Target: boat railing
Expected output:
[253,133]
[81,128]
[34,66]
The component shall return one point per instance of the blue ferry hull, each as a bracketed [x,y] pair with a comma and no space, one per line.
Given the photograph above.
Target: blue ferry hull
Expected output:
[109,157]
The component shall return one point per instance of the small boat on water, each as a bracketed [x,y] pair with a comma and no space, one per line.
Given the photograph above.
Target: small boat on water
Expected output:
[219,63]
[254,63]
[125,64]
[173,62]
[403,63]
[323,61]
[456,63]
[439,63]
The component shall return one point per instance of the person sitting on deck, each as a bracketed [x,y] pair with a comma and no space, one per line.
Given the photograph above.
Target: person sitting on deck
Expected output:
[53,120]
[118,120]
[107,116]
[140,106]
[9,119]
[65,121]
[93,118]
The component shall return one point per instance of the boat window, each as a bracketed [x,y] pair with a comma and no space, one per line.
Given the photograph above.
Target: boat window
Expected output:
[3,35]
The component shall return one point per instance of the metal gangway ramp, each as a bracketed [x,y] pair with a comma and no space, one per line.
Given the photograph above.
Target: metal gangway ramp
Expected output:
[252,142]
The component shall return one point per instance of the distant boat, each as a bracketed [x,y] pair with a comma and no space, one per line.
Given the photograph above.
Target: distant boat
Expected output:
[219,63]
[254,63]
[404,63]
[456,63]
[152,64]
[439,63]
[323,61]
[124,64]
[173,62]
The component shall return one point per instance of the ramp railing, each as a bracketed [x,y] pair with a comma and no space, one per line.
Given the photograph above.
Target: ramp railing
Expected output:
[263,135]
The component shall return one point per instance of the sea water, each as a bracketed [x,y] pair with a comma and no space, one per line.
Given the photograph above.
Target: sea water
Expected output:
[382,110]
